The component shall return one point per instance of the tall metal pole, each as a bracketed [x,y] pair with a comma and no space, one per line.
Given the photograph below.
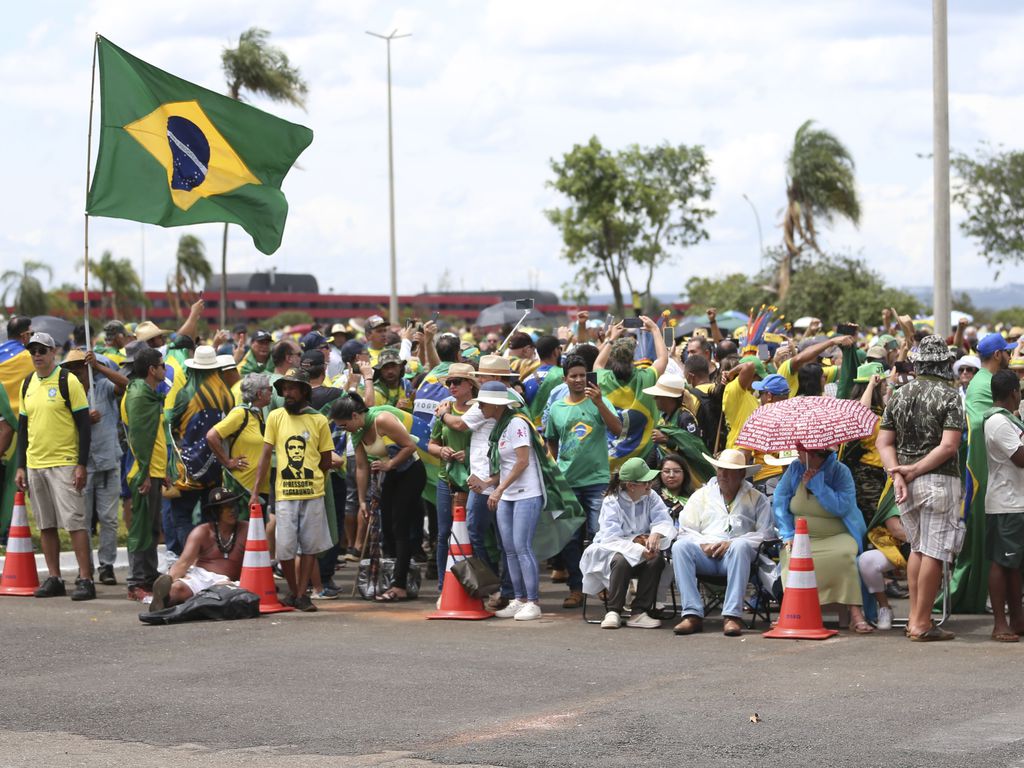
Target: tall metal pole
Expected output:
[142,276]
[941,298]
[393,303]
[757,220]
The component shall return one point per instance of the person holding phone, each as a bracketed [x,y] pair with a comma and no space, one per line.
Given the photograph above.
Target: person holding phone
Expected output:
[577,432]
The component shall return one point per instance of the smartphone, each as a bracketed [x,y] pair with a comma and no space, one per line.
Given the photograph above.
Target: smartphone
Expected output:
[524,304]
[592,378]
[847,329]
[433,317]
[669,334]
[632,322]
[410,323]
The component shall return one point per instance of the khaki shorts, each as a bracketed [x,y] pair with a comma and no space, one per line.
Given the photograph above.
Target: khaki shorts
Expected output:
[931,516]
[301,528]
[55,502]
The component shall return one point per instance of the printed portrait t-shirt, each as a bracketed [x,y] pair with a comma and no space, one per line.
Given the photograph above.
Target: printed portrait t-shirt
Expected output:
[298,441]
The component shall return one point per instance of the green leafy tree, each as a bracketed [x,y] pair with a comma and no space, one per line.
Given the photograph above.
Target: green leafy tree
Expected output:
[737,292]
[24,290]
[841,289]
[819,187]
[629,212]
[120,285]
[990,187]
[256,67]
[190,274]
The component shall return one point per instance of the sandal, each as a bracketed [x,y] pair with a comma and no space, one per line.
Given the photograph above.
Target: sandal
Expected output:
[934,634]
[391,596]
[1005,637]
[862,627]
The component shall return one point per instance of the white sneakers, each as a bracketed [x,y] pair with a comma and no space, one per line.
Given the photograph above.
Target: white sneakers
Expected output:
[528,612]
[510,610]
[612,620]
[643,621]
[884,618]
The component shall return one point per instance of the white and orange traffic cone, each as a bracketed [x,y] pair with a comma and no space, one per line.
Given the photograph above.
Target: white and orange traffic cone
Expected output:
[455,602]
[257,574]
[800,615]
[20,575]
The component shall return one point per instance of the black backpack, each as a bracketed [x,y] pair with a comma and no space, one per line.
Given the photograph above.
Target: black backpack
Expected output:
[62,385]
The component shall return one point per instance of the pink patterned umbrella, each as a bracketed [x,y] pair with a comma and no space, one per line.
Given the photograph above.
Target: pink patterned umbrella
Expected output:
[813,423]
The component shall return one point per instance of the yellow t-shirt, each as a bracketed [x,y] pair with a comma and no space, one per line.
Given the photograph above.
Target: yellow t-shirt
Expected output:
[787,372]
[737,405]
[248,444]
[52,435]
[373,353]
[158,461]
[298,442]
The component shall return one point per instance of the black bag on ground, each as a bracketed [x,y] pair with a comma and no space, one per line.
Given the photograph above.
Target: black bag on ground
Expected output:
[218,603]
[377,575]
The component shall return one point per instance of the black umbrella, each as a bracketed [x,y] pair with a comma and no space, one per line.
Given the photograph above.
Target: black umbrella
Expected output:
[57,327]
[505,313]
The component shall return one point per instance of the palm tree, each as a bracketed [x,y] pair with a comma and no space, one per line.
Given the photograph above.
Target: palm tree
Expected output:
[191,271]
[29,297]
[120,286]
[819,185]
[259,68]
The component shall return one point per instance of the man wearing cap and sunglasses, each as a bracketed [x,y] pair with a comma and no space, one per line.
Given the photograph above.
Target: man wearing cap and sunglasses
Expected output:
[53,418]
[257,359]
[376,333]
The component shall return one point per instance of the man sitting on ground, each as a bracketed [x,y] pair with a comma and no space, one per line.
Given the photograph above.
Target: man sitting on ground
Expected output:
[212,555]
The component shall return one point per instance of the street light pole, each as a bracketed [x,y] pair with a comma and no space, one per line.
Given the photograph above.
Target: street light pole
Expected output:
[941,298]
[757,219]
[393,304]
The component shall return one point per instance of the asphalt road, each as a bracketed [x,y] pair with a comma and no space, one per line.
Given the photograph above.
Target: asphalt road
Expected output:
[357,684]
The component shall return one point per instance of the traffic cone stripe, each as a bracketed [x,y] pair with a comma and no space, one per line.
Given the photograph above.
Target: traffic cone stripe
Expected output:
[256,559]
[801,580]
[20,576]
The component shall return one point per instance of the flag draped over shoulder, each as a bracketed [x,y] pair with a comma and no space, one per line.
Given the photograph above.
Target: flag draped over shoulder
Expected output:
[638,412]
[15,366]
[562,514]
[174,153]
[968,584]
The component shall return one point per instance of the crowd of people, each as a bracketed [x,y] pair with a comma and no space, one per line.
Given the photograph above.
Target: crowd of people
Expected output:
[605,457]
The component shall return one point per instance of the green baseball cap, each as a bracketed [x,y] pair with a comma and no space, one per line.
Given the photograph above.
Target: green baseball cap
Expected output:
[635,470]
[758,364]
[866,371]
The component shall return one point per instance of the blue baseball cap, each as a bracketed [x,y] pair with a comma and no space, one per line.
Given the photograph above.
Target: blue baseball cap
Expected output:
[992,343]
[313,340]
[773,385]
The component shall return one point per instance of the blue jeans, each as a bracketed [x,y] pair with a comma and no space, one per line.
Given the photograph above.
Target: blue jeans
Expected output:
[590,498]
[444,529]
[182,519]
[479,518]
[688,560]
[517,521]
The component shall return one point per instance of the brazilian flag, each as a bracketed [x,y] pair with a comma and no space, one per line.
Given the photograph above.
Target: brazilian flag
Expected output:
[173,153]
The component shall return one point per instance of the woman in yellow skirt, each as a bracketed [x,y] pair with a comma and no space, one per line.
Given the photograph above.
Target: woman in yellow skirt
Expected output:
[820,489]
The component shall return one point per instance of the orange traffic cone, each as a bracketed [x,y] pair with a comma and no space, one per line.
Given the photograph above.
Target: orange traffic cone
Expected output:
[20,575]
[455,603]
[800,615]
[257,575]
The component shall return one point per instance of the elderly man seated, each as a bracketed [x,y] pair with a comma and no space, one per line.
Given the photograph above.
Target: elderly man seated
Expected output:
[634,527]
[720,530]
[212,555]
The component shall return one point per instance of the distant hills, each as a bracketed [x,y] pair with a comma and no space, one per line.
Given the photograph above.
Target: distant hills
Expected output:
[994,298]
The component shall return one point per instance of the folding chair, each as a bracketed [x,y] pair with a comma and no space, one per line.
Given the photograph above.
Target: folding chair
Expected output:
[759,599]
[947,574]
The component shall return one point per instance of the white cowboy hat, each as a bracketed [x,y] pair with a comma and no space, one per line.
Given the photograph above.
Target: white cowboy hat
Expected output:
[204,359]
[731,458]
[668,385]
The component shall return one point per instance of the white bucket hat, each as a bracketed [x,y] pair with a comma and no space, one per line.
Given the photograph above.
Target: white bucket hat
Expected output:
[495,393]
[204,359]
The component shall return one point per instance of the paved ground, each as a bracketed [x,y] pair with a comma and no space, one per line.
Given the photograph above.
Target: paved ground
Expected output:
[86,684]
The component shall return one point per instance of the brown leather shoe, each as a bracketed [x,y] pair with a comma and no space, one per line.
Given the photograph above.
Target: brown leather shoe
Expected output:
[732,627]
[559,576]
[574,600]
[690,625]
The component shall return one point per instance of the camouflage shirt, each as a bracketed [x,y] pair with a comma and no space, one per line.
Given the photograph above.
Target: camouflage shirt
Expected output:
[919,412]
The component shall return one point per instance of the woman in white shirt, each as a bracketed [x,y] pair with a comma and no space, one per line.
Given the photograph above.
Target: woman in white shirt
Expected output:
[518,497]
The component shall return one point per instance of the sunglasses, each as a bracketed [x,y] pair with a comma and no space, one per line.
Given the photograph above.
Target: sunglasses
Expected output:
[35,351]
[456,381]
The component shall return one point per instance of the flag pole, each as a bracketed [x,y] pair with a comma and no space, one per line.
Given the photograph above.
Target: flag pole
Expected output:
[88,176]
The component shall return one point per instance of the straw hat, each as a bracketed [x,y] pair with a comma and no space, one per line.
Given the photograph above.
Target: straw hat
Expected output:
[731,458]
[495,365]
[668,385]
[205,359]
[495,393]
[460,371]
[74,356]
[147,330]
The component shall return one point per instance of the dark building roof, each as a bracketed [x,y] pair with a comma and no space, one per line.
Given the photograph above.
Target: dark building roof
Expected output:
[267,282]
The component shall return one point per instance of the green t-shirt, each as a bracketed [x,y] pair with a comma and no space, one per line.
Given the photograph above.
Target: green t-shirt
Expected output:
[455,472]
[582,441]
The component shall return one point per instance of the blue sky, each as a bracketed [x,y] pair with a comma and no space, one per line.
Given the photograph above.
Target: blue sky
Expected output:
[486,93]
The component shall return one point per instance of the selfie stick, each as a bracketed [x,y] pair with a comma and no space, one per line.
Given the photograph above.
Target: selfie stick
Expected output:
[501,347]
